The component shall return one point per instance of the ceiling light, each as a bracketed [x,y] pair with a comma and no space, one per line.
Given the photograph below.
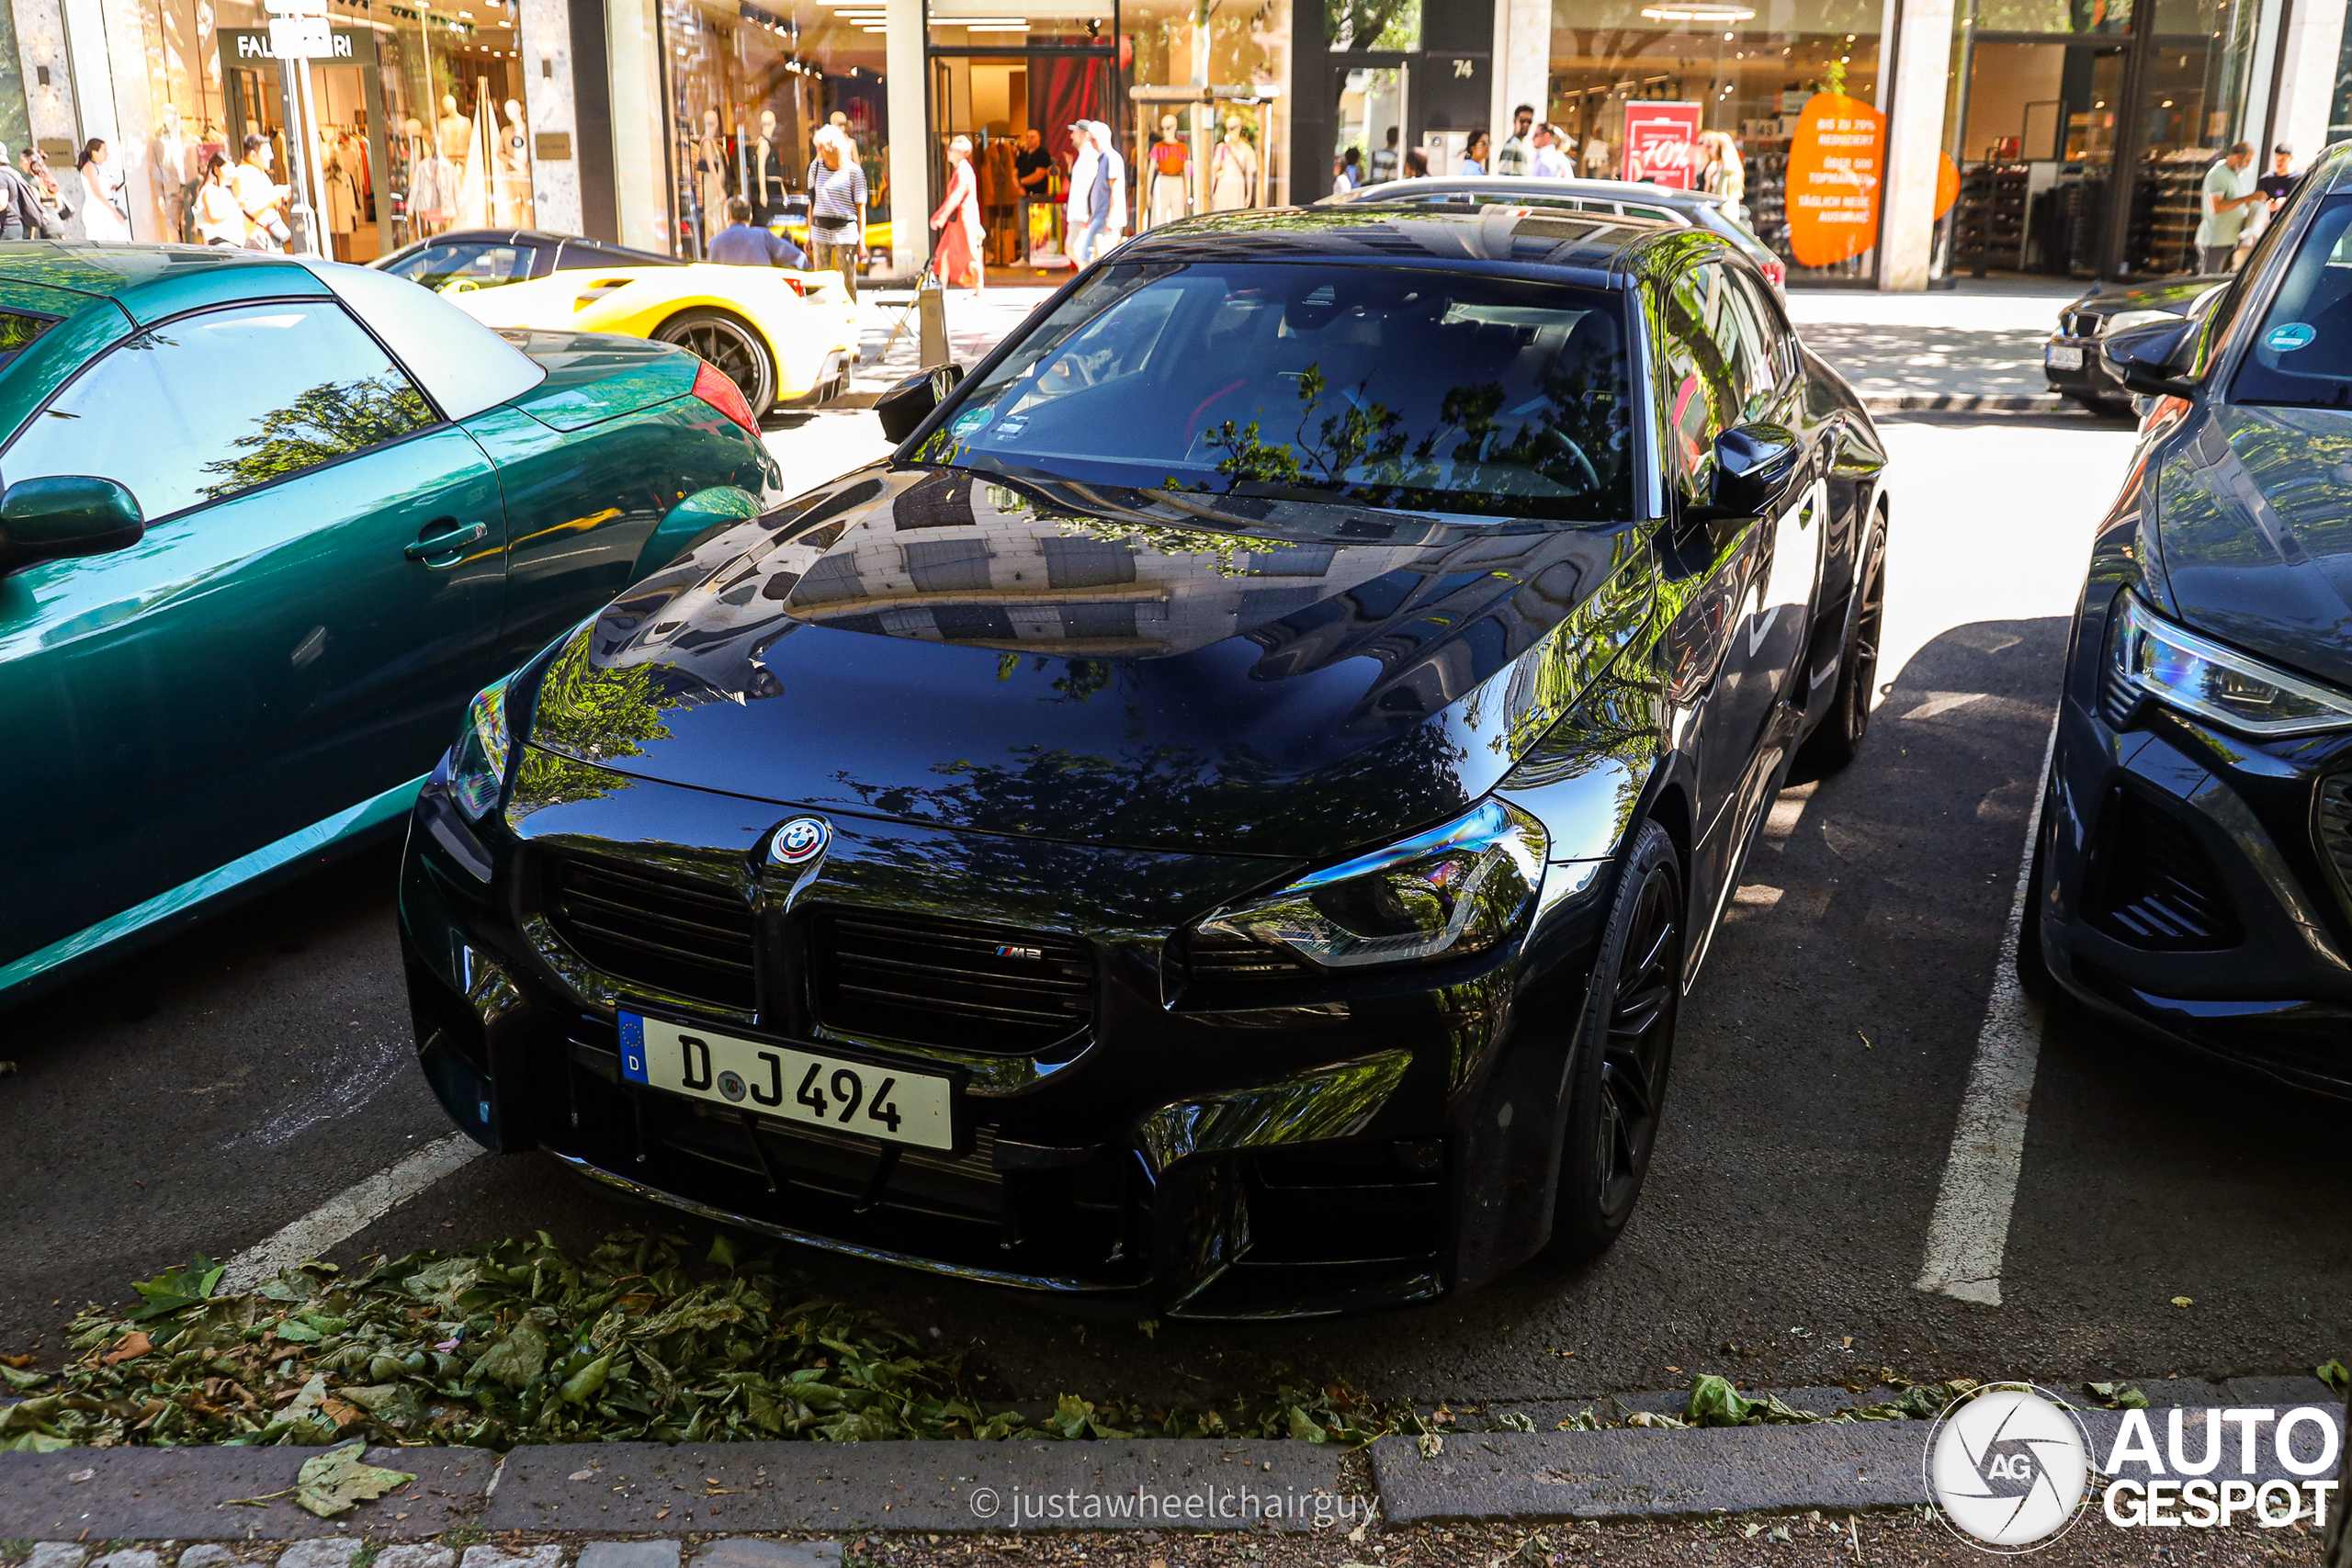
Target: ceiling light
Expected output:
[1697,13]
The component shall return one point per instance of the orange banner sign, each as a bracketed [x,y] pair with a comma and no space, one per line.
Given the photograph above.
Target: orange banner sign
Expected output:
[1835,164]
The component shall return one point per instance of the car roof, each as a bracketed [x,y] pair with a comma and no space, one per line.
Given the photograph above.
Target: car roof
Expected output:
[1605,246]
[152,281]
[1534,188]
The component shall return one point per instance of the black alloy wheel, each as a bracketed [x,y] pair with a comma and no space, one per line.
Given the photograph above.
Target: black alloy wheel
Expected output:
[1839,738]
[1624,1049]
[730,345]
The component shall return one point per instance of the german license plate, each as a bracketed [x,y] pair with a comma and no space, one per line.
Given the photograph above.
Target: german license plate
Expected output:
[788,1083]
[2060,356]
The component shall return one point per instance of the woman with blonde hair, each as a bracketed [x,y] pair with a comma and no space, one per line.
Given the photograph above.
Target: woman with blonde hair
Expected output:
[956,256]
[1721,172]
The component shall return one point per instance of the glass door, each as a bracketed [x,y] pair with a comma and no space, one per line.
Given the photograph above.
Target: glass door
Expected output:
[1369,126]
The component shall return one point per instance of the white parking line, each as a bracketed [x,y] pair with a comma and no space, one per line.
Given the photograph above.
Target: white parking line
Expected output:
[1969,1231]
[348,1213]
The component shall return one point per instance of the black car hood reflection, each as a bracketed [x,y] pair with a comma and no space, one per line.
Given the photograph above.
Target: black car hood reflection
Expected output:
[1258,674]
[2255,522]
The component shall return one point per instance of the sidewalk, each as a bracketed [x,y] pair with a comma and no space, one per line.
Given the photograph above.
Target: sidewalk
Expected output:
[1977,346]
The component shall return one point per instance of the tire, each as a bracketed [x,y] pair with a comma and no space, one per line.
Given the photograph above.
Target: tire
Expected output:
[732,346]
[1837,741]
[1624,1051]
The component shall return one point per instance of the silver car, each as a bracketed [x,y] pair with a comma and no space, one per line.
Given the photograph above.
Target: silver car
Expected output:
[1692,209]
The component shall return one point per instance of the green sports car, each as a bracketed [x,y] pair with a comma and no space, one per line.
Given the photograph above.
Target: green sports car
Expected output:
[266,524]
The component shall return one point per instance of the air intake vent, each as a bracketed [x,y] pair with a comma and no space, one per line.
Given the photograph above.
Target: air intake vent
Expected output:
[2118,699]
[958,986]
[655,929]
[2160,888]
[2336,828]
[1216,959]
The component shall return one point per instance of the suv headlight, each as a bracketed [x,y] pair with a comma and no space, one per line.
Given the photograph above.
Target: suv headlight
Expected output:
[2124,320]
[478,766]
[2177,667]
[1448,893]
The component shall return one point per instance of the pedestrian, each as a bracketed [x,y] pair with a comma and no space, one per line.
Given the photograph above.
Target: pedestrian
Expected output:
[956,256]
[1102,177]
[1475,152]
[1721,172]
[1417,164]
[2228,192]
[44,184]
[263,198]
[836,207]
[1351,174]
[219,220]
[2279,183]
[22,216]
[1514,155]
[744,244]
[1550,162]
[1384,161]
[103,218]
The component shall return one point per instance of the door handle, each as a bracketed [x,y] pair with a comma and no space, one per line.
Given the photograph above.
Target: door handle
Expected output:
[445,544]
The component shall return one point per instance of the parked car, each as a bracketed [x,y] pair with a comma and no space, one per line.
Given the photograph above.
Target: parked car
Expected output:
[1224,815]
[2193,872]
[778,334]
[268,524]
[2071,361]
[1633,198]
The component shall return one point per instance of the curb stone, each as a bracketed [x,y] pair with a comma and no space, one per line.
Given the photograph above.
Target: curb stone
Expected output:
[1965,403]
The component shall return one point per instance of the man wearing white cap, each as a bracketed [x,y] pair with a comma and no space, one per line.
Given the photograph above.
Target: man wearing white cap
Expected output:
[1098,187]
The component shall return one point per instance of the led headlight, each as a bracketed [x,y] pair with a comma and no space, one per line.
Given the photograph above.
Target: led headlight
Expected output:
[1448,893]
[2178,668]
[478,766]
[2124,320]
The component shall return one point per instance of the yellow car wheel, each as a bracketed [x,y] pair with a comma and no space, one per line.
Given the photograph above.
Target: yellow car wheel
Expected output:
[730,345]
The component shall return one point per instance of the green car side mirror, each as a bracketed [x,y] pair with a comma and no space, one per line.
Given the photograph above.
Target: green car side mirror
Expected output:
[65,514]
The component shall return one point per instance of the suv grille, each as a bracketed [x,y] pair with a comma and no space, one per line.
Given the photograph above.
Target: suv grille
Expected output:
[930,981]
[2335,826]
[2160,888]
[655,929]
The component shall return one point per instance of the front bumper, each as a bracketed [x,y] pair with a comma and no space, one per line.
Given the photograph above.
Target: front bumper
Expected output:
[2090,378]
[1287,1147]
[2199,885]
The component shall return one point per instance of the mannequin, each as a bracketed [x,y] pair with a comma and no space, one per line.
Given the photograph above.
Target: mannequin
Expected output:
[514,168]
[456,130]
[710,175]
[1233,170]
[167,165]
[433,182]
[1169,195]
[767,171]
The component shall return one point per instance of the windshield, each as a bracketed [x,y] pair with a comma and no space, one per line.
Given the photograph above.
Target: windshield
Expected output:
[2302,352]
[1411,389]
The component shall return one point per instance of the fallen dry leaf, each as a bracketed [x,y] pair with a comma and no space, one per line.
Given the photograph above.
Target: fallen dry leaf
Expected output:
[134,1344]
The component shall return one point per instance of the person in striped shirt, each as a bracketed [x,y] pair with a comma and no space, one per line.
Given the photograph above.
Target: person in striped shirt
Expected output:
[836,207]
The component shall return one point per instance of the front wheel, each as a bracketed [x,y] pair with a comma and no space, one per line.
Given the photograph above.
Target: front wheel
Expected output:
[1837,740]
[1625,1047]
[731,346]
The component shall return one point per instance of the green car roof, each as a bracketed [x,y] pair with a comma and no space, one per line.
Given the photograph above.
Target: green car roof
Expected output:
[150,282]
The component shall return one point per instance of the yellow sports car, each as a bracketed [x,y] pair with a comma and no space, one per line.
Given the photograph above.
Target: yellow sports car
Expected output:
[776,334]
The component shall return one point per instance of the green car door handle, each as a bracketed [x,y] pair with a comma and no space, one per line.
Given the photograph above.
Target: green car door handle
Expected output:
[444,543]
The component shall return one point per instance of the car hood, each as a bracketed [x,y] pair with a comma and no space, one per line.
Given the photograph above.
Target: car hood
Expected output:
[1133,668]
[2255,525]
[2175,295]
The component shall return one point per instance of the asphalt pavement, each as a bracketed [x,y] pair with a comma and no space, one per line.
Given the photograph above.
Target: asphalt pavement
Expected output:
[201,1095]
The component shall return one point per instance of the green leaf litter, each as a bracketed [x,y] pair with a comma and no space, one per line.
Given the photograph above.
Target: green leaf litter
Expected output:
[517,1342]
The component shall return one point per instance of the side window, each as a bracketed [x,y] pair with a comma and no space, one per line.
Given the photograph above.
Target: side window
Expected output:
[470,263]
[1704,387]
[226,401]
[17,330]
[1768,329]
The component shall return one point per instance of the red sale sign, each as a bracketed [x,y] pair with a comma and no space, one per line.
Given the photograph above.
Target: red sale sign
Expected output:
[1662,143]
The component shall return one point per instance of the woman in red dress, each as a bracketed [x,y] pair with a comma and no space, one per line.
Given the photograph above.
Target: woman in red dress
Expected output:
[957,255]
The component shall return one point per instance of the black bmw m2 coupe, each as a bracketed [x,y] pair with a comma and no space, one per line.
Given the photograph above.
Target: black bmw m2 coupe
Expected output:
[1222,819]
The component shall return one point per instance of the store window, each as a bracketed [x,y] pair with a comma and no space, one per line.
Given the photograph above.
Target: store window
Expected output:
[415,121]
[745,88]
[2052,98]
[1227,153]
[1750,71]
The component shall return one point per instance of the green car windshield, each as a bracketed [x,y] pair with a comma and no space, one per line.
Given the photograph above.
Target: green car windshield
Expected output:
[1386,386]
[2302,352]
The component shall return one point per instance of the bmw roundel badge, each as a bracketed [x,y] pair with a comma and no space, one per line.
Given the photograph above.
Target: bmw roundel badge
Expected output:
[799,840]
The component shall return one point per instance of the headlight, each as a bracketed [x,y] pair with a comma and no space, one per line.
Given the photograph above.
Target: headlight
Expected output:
[2238,692]
[2123,321]
[1448,893]
[478,770]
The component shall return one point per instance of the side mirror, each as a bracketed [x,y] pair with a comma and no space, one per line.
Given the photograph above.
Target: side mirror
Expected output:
[1755,465]
[905,406]
[2149,360]
[65,514]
